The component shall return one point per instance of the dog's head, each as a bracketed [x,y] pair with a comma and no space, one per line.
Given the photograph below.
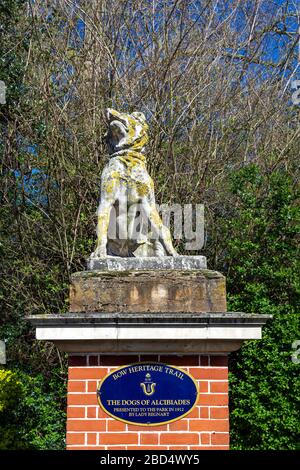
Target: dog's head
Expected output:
[126,131]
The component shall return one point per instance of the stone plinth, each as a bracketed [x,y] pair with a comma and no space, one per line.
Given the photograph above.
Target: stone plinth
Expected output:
[136,310]
[116,263]
[142,291]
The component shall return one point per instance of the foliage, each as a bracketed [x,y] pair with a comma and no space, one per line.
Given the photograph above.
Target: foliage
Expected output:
[35,418]
[262,262]
[32,394]
[10,389]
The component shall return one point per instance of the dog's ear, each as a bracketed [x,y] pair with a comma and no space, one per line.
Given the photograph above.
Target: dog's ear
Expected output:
[107,114]
[139,116]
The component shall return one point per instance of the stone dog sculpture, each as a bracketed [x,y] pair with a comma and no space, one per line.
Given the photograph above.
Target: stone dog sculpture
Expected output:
[125,182]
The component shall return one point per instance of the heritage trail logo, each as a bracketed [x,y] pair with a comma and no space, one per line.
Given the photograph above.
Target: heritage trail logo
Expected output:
[148,386]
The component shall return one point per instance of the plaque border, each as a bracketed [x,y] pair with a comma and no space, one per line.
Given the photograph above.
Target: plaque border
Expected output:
[147,424]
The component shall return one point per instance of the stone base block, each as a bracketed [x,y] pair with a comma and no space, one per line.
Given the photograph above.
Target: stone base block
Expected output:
[164,291]
[116,263]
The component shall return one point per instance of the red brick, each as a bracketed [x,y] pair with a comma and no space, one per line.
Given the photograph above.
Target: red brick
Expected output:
[91,439]
[116,426]
[75,438]
[86,448]
[186,361]
[92,386]
[204,361]
[77,361]
[178,447]
[219,413]
[204,412]
[203,387]
[76,386]
[200,447]
[87,373]
[75,412]
[213,399]
[112,360]
[218,387]
[205,438]
[113,432]
[119,438]
[220,439]
[116,447]
[210,373]
[180,425]
[208,425]
[149,358]
[194,413]
[220,447]
[102,414]
[86,425]
[82,399]
[209,448]
[132,427]
[93,361]
[149,438]
[147,447]
[91,412]
[219,361]
[179,438]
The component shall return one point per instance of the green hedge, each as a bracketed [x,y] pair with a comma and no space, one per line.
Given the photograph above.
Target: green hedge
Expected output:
[32,411]
[261,258]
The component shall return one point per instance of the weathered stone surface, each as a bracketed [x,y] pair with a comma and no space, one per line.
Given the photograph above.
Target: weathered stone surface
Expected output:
[168,291]
[2,353]
[116,263]
[117,333]
[127,190]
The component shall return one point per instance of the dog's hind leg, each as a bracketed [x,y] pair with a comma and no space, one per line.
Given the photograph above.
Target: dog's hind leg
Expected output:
[160,230]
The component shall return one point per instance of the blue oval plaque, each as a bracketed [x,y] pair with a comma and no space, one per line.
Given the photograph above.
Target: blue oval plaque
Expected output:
[147,393]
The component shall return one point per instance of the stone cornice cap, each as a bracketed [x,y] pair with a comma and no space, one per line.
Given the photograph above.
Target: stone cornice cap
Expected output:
[188,333]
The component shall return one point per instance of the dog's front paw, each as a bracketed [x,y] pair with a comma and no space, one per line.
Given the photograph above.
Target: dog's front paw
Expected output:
[175,254]
[99,253]
[172,252]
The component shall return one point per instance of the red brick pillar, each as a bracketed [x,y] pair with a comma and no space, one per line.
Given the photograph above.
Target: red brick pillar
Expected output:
[206,427]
